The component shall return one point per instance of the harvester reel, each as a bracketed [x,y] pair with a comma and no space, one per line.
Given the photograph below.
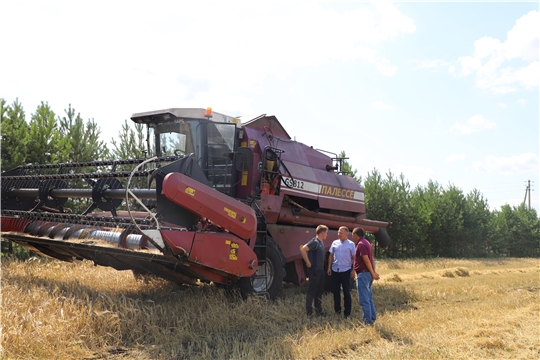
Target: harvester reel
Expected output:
[45,188]
[16,202]
[99,201]
[99,187]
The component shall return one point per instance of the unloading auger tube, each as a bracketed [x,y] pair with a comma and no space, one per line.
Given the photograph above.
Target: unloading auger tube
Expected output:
[179,238]
[154,236]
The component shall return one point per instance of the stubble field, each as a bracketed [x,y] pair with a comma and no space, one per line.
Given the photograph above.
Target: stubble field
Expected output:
[440,308]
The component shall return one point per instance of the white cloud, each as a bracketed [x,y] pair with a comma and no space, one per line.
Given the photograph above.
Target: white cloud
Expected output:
[308,35]
[392,21]
[379,105]
[214,53]
[502,105]
[473,124]
[494,62]
[455,157]
[522,102]
[522,40]
[526,163]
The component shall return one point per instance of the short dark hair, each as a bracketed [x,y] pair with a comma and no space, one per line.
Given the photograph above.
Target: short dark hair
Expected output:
[359,231]
[321,229]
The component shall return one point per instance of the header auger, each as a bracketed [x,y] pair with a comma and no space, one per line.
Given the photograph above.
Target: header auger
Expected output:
[217,201]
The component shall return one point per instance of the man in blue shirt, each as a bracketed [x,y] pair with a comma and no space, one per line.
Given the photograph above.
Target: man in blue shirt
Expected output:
[340,266]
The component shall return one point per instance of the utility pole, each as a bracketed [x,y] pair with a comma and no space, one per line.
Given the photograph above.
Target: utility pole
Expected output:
[528,192]
[529,185]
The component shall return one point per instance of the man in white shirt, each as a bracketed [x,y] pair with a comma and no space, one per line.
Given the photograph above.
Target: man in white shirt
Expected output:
[340,268]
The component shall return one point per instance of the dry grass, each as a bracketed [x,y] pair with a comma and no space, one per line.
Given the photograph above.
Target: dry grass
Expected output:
[440,308]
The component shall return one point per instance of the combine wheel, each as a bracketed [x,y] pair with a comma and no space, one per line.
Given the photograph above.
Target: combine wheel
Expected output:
[268,280]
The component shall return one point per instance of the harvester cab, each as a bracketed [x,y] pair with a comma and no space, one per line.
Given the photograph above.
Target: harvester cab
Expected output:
[210,136]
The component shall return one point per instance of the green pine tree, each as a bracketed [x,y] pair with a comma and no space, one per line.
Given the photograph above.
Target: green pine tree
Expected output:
[46,142]
[131,142]
[83,138]
[14,130]
[348,170]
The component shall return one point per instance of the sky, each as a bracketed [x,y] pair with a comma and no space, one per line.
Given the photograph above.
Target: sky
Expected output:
[441,91]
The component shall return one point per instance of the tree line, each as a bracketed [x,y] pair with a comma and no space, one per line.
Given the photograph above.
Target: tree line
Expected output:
[51,138]
[427,221]
[435,221]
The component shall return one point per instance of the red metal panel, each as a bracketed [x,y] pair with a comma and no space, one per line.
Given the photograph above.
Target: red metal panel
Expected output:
[308,167]
[270,124]
[340,192]
[208,275]
[232,215]
[223,252]
[333,191]
[270,206]
[13,224]
[316,159]
[311,218]
[213,253]
[249,181]
[180,242]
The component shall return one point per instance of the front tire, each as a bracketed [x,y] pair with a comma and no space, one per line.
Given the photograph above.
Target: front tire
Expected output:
[268,280]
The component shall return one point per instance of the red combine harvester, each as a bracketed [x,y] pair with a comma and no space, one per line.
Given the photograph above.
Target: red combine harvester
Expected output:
[219,200]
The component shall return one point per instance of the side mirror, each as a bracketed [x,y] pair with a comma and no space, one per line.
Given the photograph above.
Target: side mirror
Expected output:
[243,159]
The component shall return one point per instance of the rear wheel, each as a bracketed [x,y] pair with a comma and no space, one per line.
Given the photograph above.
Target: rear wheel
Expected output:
[268,280]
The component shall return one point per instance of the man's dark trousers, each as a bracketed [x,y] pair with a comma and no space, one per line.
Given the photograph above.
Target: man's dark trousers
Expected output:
[315,290]
[342,280]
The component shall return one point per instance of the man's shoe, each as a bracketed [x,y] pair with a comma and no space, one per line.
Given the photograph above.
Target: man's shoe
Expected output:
[347,316]
[321,314]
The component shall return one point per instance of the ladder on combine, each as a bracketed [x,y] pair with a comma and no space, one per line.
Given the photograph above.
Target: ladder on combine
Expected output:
[260,279]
